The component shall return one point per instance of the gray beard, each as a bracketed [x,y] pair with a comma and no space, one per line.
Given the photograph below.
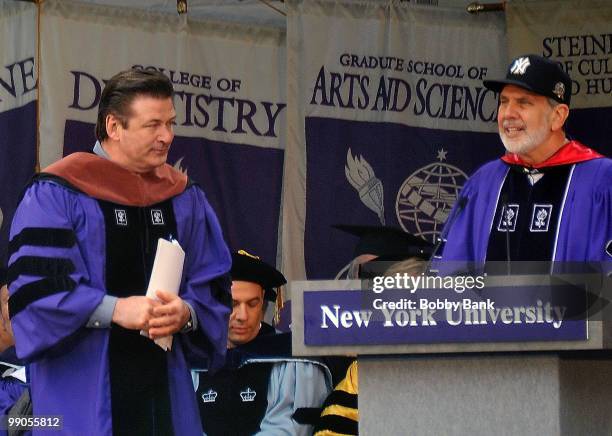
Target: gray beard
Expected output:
[528,143]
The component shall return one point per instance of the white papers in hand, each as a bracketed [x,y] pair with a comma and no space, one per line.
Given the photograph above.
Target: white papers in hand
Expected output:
[166,276]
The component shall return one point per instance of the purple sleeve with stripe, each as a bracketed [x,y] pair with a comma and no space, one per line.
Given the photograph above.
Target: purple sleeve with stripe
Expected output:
[205,278]
[57,284]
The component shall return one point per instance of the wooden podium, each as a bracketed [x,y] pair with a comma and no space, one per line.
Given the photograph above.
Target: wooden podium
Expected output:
[549,386]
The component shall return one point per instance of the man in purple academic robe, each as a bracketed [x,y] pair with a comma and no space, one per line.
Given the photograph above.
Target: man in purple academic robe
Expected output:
[82,246]
[549,198]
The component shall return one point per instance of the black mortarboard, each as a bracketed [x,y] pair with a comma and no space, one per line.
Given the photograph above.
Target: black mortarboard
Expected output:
[536,74]
[249,268]
[389,243]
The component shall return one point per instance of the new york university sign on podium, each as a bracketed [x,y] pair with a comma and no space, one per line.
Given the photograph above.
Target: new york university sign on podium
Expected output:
[420,314]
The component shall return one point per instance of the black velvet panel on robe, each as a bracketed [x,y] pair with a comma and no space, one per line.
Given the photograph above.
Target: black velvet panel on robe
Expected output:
[138,367]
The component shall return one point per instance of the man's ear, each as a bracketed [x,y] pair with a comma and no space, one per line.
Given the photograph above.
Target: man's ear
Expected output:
[559,116]
[113,125]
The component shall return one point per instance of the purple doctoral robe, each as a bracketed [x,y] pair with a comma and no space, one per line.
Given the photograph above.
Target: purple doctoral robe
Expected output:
[69,363]
[584,232]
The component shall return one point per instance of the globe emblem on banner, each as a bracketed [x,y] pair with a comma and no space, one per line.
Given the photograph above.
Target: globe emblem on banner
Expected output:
[426,197]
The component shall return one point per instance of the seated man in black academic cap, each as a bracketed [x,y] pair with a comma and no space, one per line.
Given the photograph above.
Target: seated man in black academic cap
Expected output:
[261,386]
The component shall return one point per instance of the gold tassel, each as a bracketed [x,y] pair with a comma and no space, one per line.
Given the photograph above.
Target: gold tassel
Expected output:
[278,305]
[245,253]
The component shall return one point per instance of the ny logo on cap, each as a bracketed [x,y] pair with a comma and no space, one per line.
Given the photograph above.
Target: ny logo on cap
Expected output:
[520,66]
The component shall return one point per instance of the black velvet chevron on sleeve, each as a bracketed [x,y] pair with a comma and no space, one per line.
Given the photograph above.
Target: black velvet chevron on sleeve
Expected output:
[38,289]
[42,237]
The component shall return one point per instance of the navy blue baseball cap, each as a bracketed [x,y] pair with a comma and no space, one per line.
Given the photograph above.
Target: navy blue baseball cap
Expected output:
[536,74]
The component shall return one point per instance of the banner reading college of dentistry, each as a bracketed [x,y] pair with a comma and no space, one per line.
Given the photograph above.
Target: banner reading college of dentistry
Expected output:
[387,119]
[17,107]
[230,102]
[578,35]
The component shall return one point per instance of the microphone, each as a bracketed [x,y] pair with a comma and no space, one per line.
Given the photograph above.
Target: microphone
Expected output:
[461,203]
[504,199]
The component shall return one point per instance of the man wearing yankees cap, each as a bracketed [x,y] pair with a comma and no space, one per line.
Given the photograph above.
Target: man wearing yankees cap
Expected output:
[548,198]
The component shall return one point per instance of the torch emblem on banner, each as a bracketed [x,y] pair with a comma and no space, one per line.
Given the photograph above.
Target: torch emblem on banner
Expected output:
[178,166]
[361,176]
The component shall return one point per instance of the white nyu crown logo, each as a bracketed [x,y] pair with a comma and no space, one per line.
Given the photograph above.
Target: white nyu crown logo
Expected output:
[209,397]
[520,66]
[248,395]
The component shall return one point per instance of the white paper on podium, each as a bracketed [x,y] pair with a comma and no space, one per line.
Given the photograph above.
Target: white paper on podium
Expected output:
[166,276]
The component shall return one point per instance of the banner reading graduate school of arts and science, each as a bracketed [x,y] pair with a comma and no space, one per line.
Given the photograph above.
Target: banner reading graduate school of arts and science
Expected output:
[578,35]
[387,119]
[230,102]
[17,107]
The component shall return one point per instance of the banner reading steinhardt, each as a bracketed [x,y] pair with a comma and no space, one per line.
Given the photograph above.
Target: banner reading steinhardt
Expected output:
[578,35]
[17,107]
[388,117]
[230,102]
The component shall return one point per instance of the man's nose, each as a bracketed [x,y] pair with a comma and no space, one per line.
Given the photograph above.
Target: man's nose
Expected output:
[510,110]
[166,134]
[240,312]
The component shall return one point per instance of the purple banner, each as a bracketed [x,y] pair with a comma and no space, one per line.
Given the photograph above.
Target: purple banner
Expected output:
[242,183]
[409,178]
[18,151]
[430,316]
